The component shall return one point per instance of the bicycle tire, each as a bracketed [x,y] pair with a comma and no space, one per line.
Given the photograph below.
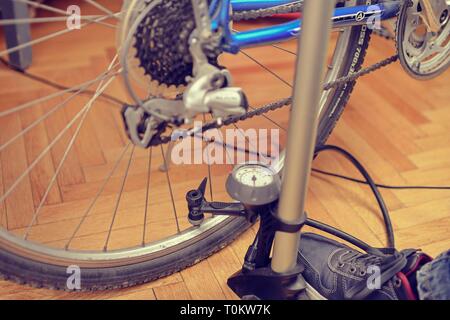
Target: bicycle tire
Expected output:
[25,269]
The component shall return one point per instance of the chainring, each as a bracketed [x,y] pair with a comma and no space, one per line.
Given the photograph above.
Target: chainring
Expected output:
[423,54]
[162,43]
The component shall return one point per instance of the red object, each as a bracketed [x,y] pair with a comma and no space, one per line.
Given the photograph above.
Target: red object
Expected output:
[407,286]
[287,16]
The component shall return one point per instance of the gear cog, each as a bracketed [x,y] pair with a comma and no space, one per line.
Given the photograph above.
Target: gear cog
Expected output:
[423,54]
[162,43]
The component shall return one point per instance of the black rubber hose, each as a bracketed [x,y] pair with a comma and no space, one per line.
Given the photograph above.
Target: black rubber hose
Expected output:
[343,235]
[372,185]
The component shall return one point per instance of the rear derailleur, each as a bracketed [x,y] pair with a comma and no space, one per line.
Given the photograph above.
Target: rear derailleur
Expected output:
[209,91]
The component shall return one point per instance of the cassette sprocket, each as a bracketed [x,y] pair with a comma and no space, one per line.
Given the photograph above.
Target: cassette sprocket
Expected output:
[162,43]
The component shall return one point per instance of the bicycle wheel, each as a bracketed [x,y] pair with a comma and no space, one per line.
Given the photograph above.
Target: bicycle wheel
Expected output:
[75,192]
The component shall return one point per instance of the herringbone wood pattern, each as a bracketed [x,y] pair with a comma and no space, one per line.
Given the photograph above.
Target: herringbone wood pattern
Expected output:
[398,127]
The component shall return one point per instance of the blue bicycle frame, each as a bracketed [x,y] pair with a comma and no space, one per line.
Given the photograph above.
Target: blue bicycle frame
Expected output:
[343,17]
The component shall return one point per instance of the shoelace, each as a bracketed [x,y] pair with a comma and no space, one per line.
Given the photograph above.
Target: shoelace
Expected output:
[361,260]
[390,264]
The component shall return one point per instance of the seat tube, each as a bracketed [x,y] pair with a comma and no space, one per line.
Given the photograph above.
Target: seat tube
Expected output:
[302,133]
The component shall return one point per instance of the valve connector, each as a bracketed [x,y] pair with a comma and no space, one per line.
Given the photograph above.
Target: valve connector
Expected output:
[195,199]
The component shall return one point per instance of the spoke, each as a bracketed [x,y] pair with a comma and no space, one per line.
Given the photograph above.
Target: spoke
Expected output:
[81,86]
[99,192]
[284,49]
[42,154]
[85,111]
[225,145]
[271,120]
[236,149]
[100,7]
[170,190]
[55,175]
[209,168]
[7,22]
[228,153]
[119,197]
[44,38]
[263,66]
[57,138]
[38,121]
[267,69]
[210,181]
[275,75]
[65,13]
[144,232]
[265,156]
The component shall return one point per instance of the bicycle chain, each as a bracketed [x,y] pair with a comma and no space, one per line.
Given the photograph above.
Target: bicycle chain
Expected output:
[277,104]
[254,14]
[263,13]
[384,33]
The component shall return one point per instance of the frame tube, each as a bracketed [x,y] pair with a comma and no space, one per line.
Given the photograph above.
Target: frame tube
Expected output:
[244,5]
[313,45]
[342,17]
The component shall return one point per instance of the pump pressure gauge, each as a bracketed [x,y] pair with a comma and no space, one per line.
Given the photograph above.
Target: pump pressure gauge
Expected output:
[254,184]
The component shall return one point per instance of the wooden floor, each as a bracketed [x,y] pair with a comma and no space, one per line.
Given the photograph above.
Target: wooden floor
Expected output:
[399,128]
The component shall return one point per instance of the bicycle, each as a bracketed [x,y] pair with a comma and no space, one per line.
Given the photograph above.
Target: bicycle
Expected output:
[180,82]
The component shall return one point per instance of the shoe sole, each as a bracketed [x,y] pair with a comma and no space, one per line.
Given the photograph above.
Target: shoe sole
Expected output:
[313,294]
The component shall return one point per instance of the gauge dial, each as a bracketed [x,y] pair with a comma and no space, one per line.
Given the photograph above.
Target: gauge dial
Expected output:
[254,184]
[255,175]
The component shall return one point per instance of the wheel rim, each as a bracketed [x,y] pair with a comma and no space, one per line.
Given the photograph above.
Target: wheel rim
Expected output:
[42,253]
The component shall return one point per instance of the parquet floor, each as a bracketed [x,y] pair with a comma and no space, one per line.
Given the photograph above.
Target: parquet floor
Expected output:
[398,127]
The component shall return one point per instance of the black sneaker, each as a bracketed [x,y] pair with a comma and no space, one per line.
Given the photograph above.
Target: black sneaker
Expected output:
[334,271]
